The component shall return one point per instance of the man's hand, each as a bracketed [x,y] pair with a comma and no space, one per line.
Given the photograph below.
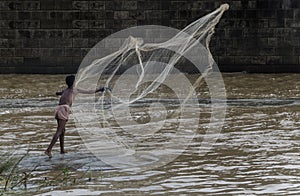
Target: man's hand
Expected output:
[104,89]
[59,93]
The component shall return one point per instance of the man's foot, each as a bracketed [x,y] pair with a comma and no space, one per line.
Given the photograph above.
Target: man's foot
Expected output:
[63,152]
[48,153]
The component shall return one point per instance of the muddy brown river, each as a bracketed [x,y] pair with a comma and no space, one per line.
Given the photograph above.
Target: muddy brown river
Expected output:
[256,152]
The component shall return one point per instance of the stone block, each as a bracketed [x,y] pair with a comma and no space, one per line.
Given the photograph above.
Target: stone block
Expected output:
[129,5]
[30,61]
[56,61]
[129,23]
[109,24]
[267,14]
[209,5]
[234,33]
[101,15]
[16,25]
[4,5]
[236,5]
[48,24]
[80,5]
[250,4]
[4,43]
[44,52]
[3,62]
[109,5]
[8,34]
[56,15]
[266,32]
[55,34]
[87,15]
[71,33]
[15,61]
[84,51]
[80,24]
[32,24]
[290,13]
[226,60]
[37,34]
[31,43]
[274,60]
[8,15]
[238,14]
[149,5]
[181,5]
[27,52]
[90,33]
[137,15]
[179,24]
[76,61]
[194,5]
[38,15]
[290,60]
[16,5]
[153,14]
[273,42]
[267,51]
[292,23]
[24,34]
[96,5]
[7,52]
[80,43]
[297,51]
[285,51]
[185,14]
[277,23]
[73,52]
[218,51]
[47,4]
[251,13]
[98,24]
[121,15]
[55,43]
[25,15]
[71,15]
[31,5]
[250,60]
[4,24]
[294,4]
[63,24]
[268,4]
[296,13]
[63,4]
[56,52]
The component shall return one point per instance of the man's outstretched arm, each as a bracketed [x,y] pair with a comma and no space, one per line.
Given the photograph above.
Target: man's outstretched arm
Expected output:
[102,89]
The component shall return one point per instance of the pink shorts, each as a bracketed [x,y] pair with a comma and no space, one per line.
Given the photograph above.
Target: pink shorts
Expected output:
[62,112]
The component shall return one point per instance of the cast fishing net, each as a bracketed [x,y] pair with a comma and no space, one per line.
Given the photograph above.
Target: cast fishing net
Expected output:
[146,67]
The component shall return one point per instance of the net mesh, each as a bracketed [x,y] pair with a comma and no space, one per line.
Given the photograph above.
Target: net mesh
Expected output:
[141,53]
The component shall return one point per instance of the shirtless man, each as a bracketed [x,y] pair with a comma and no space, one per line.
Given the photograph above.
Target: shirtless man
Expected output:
[63,110]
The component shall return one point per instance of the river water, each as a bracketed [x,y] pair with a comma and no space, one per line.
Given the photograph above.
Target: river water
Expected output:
[256,153]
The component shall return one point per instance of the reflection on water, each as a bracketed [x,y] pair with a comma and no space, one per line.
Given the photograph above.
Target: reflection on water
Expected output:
[257,151]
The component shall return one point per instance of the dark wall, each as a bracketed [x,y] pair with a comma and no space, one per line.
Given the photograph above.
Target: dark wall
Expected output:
[53,36]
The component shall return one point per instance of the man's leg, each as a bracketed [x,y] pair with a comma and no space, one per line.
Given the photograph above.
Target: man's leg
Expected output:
[62,142]
[60,128]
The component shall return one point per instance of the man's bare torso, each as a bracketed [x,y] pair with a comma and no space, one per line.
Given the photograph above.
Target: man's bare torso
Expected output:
[67,97]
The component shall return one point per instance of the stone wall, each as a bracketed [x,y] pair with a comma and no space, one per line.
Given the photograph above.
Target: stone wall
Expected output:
[53,36]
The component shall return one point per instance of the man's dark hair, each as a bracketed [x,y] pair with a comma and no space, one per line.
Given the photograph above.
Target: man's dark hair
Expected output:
[70,80]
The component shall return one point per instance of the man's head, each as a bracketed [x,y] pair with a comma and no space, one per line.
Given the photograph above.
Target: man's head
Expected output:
[70,80]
